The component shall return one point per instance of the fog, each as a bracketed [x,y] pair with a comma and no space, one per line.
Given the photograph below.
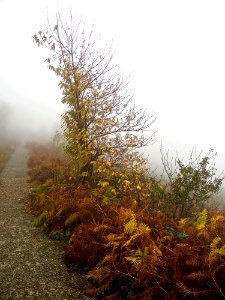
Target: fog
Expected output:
[21,119]
[173,50]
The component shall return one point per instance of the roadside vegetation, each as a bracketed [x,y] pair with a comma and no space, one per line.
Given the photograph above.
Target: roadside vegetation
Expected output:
[6,151]
[7,145]
[133,235]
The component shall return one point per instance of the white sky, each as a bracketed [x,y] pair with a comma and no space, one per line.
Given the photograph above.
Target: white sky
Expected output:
[175,51]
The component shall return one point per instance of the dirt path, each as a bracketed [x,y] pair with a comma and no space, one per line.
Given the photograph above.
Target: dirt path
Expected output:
[30,263]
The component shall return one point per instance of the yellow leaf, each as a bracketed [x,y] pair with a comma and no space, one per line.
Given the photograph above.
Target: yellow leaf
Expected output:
[106,200]
[84,174]
[103,183]
[126,183]
[182,222]
[113,191]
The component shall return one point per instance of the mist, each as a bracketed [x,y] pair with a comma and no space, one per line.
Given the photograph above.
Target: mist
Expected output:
[22,121]
[177,70]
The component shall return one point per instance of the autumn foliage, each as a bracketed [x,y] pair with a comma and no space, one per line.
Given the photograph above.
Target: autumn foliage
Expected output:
[119,224]
[128,249]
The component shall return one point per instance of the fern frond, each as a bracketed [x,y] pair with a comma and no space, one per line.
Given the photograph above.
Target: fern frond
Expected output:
[131,239]
[215,252]
[182,222]
[155,250]
[204,233]
[138,256]
[100,227]
[200,277]
[105,287]
[113,237]
[93,292]
[144,228]
[99,274]
[107,258]
[113,240]
[214,243]
[131,226]
[164,239]
[182,288]
[212,258]
[193,262]
[214,220]
[221,251]
[201,220]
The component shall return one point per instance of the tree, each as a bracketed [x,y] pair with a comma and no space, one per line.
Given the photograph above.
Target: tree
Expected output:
[191,185]
[101,122]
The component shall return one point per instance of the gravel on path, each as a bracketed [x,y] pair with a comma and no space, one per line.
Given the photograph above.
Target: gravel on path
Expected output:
[30,263]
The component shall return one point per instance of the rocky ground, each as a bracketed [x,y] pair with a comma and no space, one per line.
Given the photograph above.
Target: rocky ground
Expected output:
[30,263]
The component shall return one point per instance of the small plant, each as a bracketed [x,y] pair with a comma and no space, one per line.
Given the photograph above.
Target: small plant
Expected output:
[191,185]
[41,219]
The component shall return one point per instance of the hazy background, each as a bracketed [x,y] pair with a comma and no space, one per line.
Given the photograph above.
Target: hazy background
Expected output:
[175,51]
